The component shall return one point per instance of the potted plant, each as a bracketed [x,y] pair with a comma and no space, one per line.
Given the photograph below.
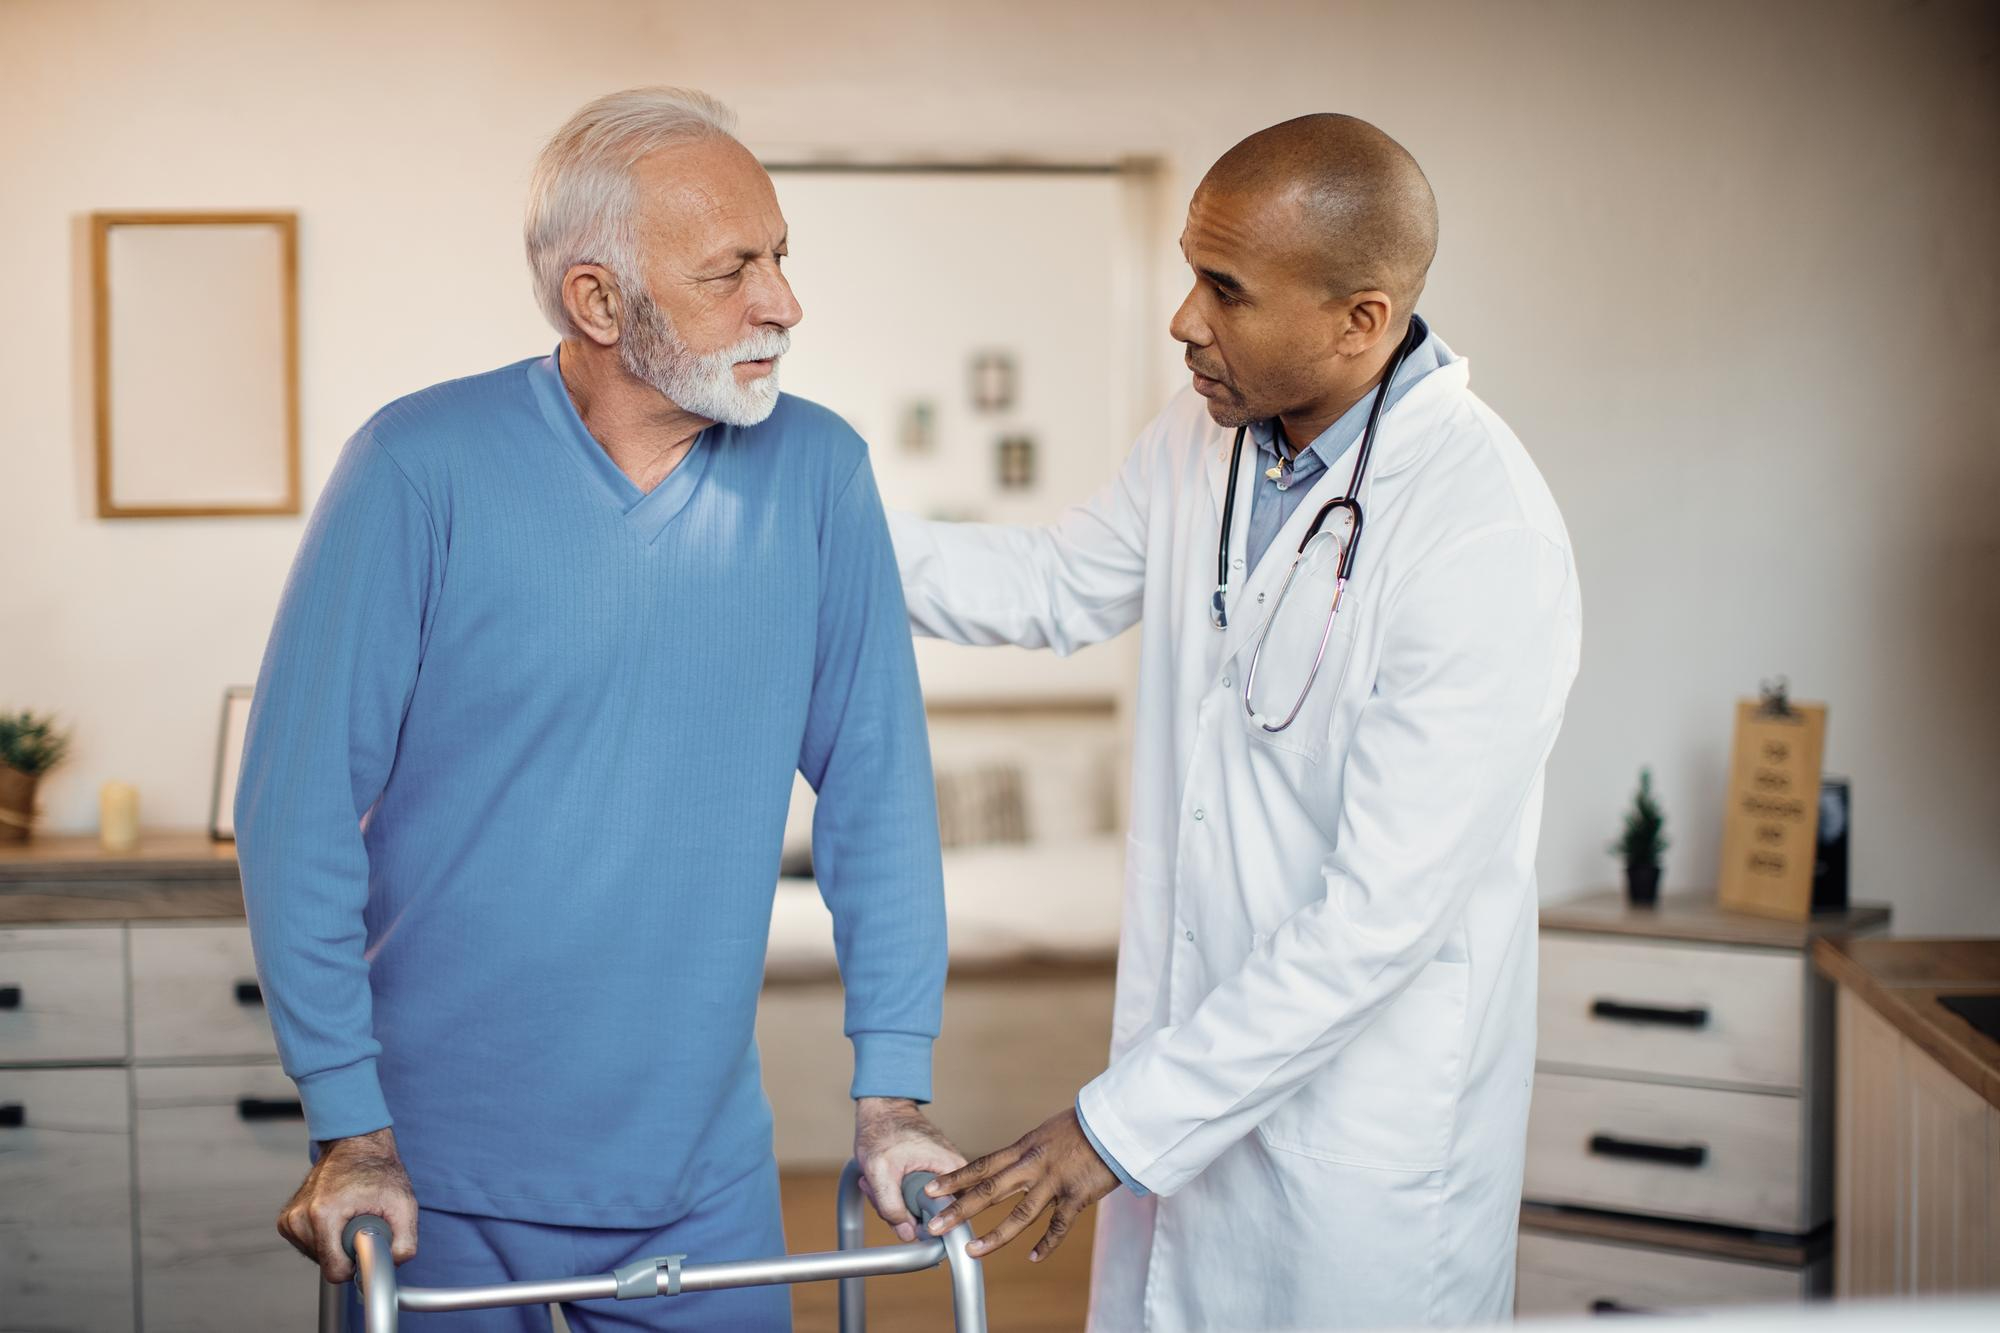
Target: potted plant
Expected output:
[30,746]
[1641,844]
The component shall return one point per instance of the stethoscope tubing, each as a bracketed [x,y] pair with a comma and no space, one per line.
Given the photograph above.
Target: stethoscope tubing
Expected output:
[1351,502]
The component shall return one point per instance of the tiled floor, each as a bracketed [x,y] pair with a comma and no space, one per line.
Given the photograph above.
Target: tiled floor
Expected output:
[1049,1297]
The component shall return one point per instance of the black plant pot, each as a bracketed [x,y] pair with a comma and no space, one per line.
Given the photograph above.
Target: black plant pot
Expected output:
[1642,883]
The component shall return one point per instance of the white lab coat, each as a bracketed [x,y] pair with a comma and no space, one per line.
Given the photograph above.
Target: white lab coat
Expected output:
[1325,1020]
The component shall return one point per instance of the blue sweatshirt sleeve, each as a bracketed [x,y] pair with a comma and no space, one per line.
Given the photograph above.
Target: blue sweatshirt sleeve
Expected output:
[875,829]
[329,703]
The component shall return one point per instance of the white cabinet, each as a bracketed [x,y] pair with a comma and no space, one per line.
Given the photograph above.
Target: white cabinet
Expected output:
[65,1201]
[137,1067]
[220,1150]
[62,995]
[1680,1140]
[1659,1009]
[195,994]
[1569,1275]
[1701,1154]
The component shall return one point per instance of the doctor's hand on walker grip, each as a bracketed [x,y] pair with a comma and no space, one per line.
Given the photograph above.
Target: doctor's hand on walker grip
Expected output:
[1052,1166]
[353,1176]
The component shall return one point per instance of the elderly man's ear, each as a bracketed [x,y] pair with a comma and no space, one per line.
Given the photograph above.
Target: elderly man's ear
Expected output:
[591,298]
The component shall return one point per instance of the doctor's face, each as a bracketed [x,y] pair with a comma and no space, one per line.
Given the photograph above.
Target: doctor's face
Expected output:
[1258,325]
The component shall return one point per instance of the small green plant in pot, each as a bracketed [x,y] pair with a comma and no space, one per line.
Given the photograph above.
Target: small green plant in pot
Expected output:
[30,746]
[1641,844]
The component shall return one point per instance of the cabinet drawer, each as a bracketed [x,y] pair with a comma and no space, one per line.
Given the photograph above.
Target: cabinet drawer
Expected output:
[211,1182]
[1562,1275]
[1672,1011]
[194,994]
[1699,1153]
[62,994]
[65,1200]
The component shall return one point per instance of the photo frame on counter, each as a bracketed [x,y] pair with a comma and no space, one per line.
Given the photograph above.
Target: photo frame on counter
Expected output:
[195,361]
[228,762]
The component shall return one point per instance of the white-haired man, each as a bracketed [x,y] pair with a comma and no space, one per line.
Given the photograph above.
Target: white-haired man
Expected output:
[554,645]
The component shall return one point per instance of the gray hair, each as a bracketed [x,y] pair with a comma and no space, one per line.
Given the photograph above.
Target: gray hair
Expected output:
[581,200]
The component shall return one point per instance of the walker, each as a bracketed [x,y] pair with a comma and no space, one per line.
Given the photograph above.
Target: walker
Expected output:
[366,1240]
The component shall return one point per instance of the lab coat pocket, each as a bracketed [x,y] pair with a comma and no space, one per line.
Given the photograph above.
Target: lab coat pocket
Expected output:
[1388,1098]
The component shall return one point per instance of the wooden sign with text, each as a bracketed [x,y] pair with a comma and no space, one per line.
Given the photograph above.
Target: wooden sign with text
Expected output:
[1770,832]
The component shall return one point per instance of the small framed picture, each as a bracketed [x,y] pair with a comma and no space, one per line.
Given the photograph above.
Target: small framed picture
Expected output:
[918,428]
[992,381]
[1016,457]
[228,762]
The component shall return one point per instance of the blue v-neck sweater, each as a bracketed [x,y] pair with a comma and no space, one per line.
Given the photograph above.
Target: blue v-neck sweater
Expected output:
[516,778]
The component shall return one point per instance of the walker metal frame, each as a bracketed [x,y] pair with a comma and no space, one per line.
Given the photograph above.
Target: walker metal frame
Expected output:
[366,1240]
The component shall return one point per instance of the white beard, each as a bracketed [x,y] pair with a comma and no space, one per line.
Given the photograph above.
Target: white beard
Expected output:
[651,350]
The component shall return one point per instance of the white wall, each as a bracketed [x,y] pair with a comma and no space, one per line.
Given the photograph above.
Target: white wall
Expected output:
[1728,270]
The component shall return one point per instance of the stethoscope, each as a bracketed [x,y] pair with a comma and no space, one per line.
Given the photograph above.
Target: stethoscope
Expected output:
[1350,502]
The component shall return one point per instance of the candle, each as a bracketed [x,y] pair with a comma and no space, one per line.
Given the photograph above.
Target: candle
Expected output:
[118,816]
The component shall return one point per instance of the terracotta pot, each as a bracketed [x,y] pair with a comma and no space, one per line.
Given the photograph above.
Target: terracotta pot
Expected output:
[17,803]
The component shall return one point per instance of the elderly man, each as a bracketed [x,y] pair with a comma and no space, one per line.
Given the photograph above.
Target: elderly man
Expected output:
[1318,1088]
[556,641]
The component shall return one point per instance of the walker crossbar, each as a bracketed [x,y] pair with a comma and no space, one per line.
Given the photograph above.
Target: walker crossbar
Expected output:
[366,1240]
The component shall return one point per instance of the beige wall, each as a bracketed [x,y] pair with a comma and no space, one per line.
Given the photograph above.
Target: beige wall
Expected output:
[1727,269]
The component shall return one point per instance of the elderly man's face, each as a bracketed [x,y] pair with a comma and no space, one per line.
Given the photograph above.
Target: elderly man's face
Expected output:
[1259,327]
[711,243]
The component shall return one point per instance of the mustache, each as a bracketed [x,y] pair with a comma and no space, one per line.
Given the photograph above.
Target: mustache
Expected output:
[1188,360]
[763,345]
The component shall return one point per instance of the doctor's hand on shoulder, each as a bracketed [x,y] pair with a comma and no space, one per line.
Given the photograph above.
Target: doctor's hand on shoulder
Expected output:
[1052,1167]
[892,1138]
[353,1177]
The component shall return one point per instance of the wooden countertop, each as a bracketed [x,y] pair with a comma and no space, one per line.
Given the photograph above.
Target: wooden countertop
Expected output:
[1698,919]
[159,855]
[169,876]
[1902,980]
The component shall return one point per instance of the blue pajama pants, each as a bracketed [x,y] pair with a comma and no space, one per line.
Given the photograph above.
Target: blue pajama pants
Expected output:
[740,1221]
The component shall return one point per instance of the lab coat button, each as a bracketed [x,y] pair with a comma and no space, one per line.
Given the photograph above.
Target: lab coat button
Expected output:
[1237,563]
[1199,813]
[1190,936]
[1225,682]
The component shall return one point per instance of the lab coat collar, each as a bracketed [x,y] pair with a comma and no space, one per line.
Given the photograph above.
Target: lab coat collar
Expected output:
[1402,440]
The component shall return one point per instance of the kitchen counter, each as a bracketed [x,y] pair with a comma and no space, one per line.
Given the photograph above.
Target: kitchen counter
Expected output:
[169,876]
[1901,980]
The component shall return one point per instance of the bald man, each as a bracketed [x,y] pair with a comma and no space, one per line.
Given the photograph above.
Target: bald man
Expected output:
[1315,1111]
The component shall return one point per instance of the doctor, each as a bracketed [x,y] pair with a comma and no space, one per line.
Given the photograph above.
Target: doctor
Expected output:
[1316,1105]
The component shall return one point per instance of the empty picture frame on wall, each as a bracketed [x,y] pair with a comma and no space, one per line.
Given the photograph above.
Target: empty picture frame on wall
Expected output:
[195,344]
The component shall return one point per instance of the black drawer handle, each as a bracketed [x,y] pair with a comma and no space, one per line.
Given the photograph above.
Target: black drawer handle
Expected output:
[256,1108]
[13,1115]
[10,997]
[1613,1307]
[249,993]
[1619,1011]
[1666,1154]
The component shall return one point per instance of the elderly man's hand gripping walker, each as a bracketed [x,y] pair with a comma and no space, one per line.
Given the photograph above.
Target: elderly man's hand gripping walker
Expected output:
[365,1243]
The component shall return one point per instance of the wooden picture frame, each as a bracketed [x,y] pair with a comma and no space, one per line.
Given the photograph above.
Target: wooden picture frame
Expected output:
[196,363]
